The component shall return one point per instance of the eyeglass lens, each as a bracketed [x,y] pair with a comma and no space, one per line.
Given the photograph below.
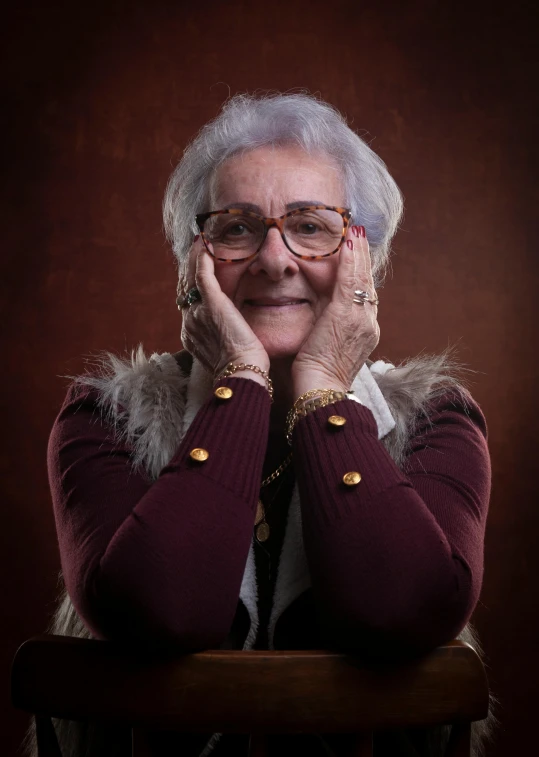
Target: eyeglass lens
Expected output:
[310,233]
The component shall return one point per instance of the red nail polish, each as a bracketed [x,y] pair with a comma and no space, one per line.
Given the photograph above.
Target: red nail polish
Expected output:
[350,244]
[355,230]
[196,238]
[362,231]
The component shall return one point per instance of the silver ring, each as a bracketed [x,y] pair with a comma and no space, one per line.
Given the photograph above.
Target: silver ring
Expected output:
[361,297]
[193,295]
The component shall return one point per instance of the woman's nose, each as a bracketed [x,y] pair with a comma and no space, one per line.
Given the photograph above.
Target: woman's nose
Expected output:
[274,258]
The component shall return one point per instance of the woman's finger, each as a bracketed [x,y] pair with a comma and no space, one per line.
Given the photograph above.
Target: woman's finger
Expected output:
[205,280]
[352,270]
[188,267]
[364,279]
[363,255]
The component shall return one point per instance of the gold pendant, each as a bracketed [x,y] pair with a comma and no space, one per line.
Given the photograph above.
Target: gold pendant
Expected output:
[262,532]
[260,512]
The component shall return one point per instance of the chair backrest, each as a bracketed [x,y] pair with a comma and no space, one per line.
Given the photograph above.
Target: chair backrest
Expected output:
[258,692]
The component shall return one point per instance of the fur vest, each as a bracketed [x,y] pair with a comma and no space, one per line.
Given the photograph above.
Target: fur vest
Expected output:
[150,403]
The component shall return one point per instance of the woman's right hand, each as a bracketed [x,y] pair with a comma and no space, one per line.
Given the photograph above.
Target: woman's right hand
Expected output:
[213,329]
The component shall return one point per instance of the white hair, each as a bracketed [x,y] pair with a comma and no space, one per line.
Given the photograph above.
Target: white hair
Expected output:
[250,121]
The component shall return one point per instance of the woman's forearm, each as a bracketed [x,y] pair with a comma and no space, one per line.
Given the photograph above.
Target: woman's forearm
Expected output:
[396,558]
[166,558]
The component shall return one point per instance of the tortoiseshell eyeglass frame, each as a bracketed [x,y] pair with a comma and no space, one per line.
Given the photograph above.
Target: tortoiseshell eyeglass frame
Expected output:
[201,219]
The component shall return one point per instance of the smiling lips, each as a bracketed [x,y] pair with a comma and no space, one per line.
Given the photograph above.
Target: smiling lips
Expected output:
[275,302]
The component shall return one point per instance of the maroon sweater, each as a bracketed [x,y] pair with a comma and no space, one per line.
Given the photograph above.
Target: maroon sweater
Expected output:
[396,559]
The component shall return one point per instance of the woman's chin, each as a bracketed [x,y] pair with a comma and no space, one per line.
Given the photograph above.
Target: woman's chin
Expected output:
[281,348]
[282,338]
[281,354]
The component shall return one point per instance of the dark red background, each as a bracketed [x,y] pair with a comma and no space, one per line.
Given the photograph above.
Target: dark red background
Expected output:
[100,100]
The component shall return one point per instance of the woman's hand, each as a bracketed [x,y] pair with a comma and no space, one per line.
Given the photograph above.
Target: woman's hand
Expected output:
[213,330]
[346,333]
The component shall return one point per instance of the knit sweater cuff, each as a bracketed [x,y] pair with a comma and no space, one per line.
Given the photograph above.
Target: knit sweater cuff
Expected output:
[324,453]
[234,433]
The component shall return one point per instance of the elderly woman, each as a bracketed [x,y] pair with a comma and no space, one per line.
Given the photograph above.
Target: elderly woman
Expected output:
[269,487]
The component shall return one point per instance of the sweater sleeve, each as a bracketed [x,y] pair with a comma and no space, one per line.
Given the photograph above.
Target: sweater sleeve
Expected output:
[396,561]
[162,559]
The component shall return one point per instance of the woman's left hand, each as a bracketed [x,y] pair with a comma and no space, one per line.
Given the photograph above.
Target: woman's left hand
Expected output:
[347,332]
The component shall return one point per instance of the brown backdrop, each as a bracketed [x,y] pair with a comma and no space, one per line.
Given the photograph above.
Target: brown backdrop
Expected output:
[100,102]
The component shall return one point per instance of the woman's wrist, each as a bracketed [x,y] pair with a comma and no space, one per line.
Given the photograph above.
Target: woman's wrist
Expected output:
[307,403]
[250,371]
[259,359]
[251,375]
[309,380]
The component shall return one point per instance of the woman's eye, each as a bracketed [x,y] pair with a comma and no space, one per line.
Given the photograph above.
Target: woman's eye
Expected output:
[307,228]
[237,230]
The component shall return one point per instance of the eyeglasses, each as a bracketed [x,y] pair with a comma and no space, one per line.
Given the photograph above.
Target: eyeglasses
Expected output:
[310,233]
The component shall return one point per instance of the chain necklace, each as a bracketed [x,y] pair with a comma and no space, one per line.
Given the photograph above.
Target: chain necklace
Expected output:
[262,529]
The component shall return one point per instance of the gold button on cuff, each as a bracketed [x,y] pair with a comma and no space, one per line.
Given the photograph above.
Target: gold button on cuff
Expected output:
[223,392]
[336,420]
[199,454]
[352,478]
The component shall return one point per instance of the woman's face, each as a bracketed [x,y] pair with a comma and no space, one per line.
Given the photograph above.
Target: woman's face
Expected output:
[279,295]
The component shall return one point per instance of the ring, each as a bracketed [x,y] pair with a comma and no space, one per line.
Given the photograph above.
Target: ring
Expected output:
[361,297]
[193,295]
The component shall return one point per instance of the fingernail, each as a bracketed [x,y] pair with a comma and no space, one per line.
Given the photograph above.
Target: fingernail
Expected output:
[196,238]
[355,230]
[362,231]
[350,244]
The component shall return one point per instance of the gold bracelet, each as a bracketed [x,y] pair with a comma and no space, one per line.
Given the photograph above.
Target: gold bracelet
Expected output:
[315,398]
[234,367]
[308,395]
[332,394]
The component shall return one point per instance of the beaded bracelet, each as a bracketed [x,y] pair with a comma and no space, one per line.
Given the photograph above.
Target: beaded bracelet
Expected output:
[315,398]
[234,367]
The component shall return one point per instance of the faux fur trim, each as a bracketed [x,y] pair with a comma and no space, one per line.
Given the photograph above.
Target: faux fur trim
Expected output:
[411,388]
[144,400]
[151,402]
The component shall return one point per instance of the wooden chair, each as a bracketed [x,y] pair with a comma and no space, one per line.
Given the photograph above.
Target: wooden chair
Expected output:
[221,691]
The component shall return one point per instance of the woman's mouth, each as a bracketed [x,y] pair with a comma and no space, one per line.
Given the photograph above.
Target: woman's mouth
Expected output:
[275,302]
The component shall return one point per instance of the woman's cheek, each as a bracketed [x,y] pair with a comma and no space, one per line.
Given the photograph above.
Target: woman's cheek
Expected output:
[229,277]
[322,282]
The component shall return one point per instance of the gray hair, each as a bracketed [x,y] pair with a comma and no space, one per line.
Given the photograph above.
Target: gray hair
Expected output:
[250,121]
